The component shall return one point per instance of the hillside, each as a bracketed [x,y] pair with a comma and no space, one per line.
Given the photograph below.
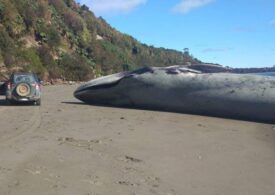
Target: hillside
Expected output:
[62,39]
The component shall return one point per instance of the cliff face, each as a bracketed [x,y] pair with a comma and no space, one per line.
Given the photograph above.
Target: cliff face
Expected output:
[60,38]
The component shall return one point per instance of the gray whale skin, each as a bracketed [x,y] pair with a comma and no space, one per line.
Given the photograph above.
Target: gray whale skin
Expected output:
[178,89]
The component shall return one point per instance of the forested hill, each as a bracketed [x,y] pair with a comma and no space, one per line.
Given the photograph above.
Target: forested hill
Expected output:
[60,38]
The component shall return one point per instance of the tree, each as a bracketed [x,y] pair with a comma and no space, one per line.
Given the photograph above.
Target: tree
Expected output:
[85,8]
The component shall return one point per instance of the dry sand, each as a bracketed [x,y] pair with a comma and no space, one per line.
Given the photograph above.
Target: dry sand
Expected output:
[65,147]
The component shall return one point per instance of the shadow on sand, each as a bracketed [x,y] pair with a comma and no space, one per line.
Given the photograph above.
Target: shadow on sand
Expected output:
[167,111]
[3,102]
[75,103]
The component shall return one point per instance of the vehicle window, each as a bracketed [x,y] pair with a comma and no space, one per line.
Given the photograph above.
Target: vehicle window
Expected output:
[23,78]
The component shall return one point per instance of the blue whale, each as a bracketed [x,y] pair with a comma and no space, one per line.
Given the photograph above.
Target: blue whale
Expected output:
[179,89]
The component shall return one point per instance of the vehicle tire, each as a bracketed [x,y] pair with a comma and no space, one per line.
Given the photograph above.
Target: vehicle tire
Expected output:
[8,102]
[38,102]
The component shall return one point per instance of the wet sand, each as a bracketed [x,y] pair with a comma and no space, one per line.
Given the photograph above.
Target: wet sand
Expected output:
[65,147]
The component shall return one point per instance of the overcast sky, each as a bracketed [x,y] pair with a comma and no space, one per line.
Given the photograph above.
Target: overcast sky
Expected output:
[236,33]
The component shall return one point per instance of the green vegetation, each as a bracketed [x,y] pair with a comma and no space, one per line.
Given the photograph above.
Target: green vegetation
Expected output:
[30,61]
[61,39]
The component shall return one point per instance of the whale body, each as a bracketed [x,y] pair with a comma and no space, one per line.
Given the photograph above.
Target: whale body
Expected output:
[178,89]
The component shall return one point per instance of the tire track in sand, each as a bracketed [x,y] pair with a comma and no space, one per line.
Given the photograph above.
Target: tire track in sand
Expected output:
[28,126]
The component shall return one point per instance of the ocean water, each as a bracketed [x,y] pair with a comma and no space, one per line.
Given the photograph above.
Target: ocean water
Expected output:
[271,74]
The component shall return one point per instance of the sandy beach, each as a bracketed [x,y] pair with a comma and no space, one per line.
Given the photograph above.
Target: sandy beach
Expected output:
[66,147]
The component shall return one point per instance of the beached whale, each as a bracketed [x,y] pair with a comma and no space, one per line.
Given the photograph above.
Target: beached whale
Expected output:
[178,89]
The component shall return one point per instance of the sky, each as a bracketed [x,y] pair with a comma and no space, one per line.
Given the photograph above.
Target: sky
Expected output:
[235,33]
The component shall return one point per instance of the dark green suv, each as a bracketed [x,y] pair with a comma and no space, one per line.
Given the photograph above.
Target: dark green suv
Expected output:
[23,87]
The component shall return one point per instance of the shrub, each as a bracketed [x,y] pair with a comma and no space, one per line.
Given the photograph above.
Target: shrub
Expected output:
[73,21]
[7,46]
[2,8]
[76,67]
[6,42]
[59,5]
[53,37]
[47,34]
[11,19]
[31,62]
[45,56]
[42,9]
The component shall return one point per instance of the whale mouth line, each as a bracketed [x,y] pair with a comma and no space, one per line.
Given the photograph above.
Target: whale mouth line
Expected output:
[100,86]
